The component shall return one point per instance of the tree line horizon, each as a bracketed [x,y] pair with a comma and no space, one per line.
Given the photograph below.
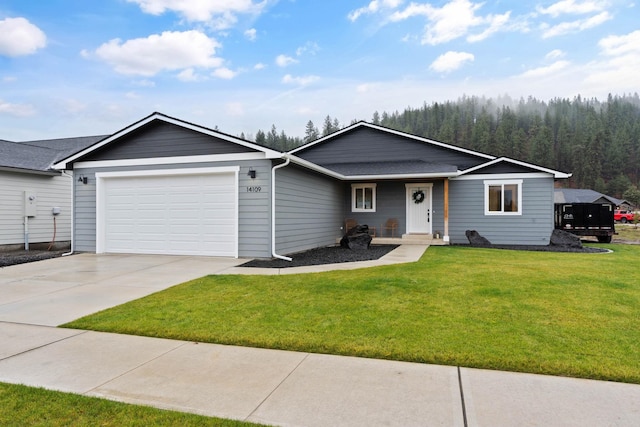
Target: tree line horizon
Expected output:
[597,141]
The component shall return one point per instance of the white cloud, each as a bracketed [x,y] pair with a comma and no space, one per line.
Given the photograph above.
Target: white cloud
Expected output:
[19,110]
[575,26]
[19,37]
[156,53]
[285,61]
[259,66]
[235,109]
[451,61]
[220,14]
[496,23]
[74,106]
[144,83]
[572,7]
[554,54]
[366,87]
[188,75]
[9,79]
[224,73]
[453,20]
[545,71]
[310,47]
[620,45]
[251,34]
[300,81]
[620,64]
[373,7]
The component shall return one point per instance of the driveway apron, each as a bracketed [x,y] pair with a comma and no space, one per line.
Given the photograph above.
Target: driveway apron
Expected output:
[56,291]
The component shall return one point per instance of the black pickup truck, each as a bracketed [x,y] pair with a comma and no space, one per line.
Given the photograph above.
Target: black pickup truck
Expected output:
[586,219]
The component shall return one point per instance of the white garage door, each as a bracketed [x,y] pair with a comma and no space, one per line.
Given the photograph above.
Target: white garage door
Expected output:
[179,214]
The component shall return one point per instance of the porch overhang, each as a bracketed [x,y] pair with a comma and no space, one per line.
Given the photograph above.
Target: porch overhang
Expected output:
[354,171]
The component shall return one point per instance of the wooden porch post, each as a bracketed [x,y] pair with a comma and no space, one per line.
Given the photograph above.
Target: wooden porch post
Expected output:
[445,238]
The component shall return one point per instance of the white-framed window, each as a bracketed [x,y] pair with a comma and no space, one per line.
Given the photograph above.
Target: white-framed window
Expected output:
[363,197]
[503,197]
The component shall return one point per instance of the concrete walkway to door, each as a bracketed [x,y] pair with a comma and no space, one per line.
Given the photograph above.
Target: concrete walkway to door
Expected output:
[260,385]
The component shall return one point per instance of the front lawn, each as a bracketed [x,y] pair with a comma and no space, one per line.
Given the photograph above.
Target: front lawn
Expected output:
[551,313]
[30,406]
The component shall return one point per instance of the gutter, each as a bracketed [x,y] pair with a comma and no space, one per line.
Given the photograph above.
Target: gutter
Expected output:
[73,226]
[273,210]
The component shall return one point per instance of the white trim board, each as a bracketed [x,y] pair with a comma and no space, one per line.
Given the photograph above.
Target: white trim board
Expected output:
[153,161]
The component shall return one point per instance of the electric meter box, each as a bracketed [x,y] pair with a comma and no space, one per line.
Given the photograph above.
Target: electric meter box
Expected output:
[30,203]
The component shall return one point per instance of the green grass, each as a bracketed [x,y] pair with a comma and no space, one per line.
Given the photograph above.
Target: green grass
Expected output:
[628,232]
[29,406]
[552,313]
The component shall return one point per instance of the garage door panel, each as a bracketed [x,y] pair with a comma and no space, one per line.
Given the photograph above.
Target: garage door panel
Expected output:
[177,214]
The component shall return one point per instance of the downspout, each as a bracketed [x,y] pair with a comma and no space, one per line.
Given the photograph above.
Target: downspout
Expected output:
[73,226]
[273,210]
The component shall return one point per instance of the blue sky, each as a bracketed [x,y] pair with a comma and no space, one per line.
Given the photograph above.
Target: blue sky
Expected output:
[78,67]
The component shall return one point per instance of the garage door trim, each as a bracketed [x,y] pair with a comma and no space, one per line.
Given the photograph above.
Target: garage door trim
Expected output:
[101,195]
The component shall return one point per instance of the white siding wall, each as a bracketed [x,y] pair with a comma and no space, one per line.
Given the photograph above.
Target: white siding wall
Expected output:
[51,191]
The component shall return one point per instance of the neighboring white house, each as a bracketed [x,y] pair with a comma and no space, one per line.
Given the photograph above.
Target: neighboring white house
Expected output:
[35,200]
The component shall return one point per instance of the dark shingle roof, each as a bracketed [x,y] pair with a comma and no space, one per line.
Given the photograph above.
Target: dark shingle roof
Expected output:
[583,195]
[390,168]
[41,154]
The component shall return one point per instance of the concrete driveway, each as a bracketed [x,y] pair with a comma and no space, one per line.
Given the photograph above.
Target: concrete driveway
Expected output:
[56,291]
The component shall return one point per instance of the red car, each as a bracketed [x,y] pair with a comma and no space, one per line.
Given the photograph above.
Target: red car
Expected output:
[623,216]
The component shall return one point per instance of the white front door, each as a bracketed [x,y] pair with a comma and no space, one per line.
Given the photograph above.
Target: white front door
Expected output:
[419,209]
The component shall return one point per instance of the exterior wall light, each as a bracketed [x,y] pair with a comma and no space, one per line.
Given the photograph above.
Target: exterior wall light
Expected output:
[252,173]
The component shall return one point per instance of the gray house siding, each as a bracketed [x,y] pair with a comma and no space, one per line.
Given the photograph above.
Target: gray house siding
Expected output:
[533,227]
[158,139]
[254,207]
[391,202]
[309,210]
[370,145]
[50,191]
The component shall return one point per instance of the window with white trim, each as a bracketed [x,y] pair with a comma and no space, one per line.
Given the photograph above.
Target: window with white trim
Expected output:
[503,197]
[363,197]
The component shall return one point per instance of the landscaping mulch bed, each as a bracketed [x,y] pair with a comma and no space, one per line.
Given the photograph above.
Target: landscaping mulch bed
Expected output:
[327,255]
[21,257]
[338,254]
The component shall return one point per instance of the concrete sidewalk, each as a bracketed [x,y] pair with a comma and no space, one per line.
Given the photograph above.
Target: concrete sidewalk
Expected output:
[302,389]
[266,386]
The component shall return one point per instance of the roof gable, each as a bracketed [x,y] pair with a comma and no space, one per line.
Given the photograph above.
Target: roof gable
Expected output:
[364,143]
[504,165]
[161,136]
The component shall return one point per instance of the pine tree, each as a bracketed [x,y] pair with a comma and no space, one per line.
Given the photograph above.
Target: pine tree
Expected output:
[310,132]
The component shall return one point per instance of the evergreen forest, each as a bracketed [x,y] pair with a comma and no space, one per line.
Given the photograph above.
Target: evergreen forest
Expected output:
[597,141]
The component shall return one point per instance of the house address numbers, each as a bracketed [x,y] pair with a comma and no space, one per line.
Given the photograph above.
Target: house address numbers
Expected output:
[254,189]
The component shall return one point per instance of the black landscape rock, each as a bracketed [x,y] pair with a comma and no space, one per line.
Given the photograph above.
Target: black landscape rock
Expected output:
[357,238]
[475,239]
[566,239]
